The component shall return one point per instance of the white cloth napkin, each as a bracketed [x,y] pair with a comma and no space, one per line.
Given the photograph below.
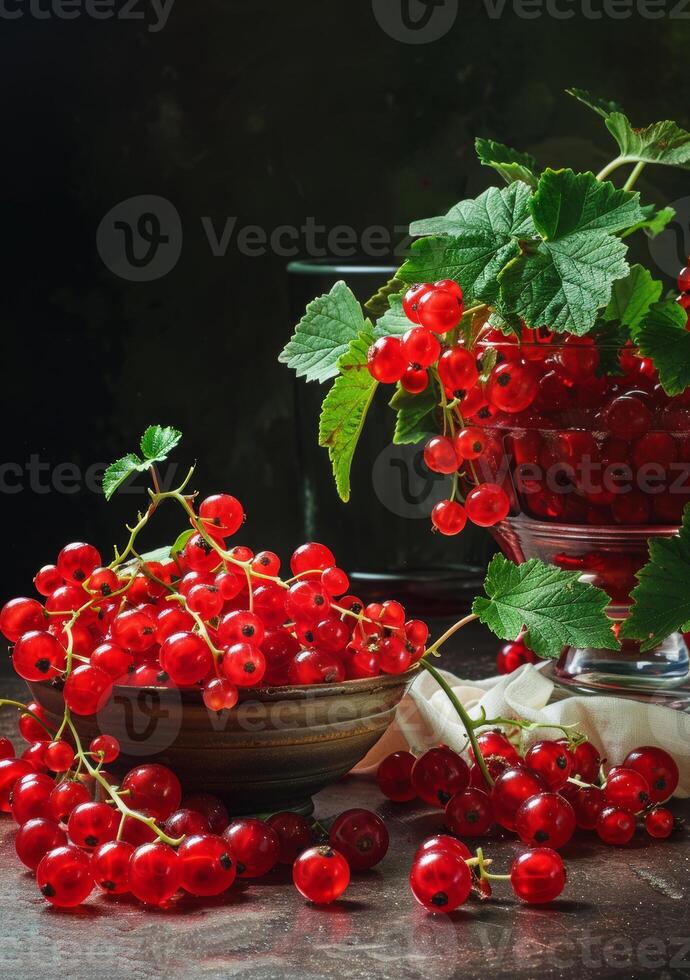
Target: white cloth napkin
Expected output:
[426,717]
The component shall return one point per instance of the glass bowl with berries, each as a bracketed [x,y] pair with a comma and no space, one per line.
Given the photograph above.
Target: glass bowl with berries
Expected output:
[546,379]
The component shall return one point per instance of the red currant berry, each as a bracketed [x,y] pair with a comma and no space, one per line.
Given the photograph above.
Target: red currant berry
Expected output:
[439,774]
[495,744]
[241,626]
[20,616]
[210,807]
[361,663]
[11,771]
[487,505]
[440,456]
[294,834]
[6,748]
[361,837]
[394,776]
[469,443]
[421,347]
[627,417]
[510,791]
[316,667]
[35,838]
[684,280]
[440,310]
[155,873]
[207,865]
[186,823]
[87,690]
[244,665]
[105,749]
[552,761]
[186,658]
[615,825]
[110,866]
[457,369]
[93,824]
[657,767]
[627,789]
[34,755]
[547,819]
[65,599]
[415,380]
[386,361]
[440,881]
[30,797]
[334,581]
[155,788]
[47,580]
[29,727]
[220,695]
[659,823]
[229,584]
[512,387]
[586,761]
[538,876]
[311,557]
[222,515]
[113,659]
[255,846]
[470,814]
[448,517]
[321,875]
[206,600]
[77,561]
[133,630]
[331,635]
[136,832]
[59,756]
[578,357]
[513,655]
[411,299]
[38,656]
[65,797]
[266,563]
[394,655]
[64,876]
[103,581]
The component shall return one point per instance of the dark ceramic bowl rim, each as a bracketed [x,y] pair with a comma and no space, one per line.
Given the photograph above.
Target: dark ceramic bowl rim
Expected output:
[291,692]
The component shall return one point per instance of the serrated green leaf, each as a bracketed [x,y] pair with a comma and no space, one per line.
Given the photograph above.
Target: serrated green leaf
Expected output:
[344,410]
[510,164]
[180,542]
[663,337]
[324,334]
[632,297]
[158,442]
[663,142]
[379,303]
[119,471]
[563,284]
[654,221]
[480,238]
[565,202]
[661,602]
[603,106]
[415,414]
[555,606]
[394,322]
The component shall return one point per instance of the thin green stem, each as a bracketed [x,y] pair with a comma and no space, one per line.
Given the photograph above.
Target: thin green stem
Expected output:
[449,632]
[610,167]
[464,718]
[25,710]
[635,173]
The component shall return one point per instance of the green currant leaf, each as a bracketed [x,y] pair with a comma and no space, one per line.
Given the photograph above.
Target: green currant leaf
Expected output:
[180,543]
[632,297]
[555,606]
[510,164]
[654,221]
[565,202]
[415,419]
[663,337]
[476,240]
[380,302]
[158,442]
[324,334]
[603,106]
[662,599]
[394,322]
[119,471]
[344,410]
[563,284]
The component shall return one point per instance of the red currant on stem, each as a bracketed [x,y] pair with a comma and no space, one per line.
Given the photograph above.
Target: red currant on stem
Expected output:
[440,456]
[538,876]
[487,504]
[448,517]
[386,360]
[110,866]
[470,814]
[444,842]
[657,767]
[546,818]
[155,788]
[440,309]
[510,791]
[255,846]
[440,880]
[213,809]
[155,873]
[207,865]
[19,616]
[626,789]
[439,774]
[552,761]
[615,825]
[64,876]
[35,838]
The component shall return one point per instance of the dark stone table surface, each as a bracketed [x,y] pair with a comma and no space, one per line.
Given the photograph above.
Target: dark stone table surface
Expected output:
[624,912]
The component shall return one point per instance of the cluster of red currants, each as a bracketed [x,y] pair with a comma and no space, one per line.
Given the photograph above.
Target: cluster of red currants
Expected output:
[543,797]
[218,620]
[539,422]
[152,843]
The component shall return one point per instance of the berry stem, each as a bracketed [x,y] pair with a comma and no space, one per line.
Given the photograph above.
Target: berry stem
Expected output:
[8,703]
[632,179]
[610,167]
[482,864]
[464,718]
[433,649]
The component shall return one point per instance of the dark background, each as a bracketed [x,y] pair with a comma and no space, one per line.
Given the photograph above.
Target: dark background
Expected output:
[270,112]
